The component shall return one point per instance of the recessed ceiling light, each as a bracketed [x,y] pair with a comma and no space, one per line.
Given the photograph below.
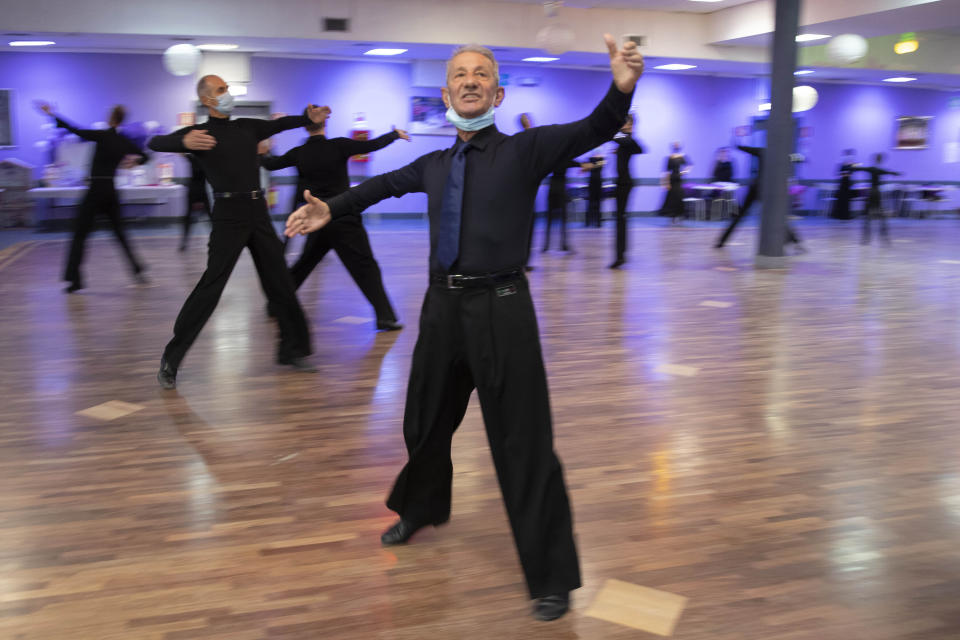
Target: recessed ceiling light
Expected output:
[217,47]
[765,106]
[384,52]
[675,67]
[31,43]
[803,72]
[899,79]
[540,59]
[810,37]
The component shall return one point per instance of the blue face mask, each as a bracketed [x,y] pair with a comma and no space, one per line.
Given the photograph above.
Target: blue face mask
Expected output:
[470,124]
[225,103]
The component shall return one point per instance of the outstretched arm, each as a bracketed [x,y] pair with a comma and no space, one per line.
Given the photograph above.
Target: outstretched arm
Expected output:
[354,147]
[91,135]
[274,163]
[267,128]
[186,139]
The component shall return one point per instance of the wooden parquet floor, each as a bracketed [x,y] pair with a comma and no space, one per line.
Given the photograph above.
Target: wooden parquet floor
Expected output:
[778,447]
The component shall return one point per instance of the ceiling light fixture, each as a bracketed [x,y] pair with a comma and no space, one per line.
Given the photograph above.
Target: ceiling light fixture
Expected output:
[675,67]
[810,37]
[217,47]
[384,52]
[540,59]
[31,43]
[803,72]
[899,79]
[908,44]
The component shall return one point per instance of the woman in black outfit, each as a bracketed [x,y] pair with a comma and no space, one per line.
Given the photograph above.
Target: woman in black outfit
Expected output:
[841,205]
[677,165]
[112,150]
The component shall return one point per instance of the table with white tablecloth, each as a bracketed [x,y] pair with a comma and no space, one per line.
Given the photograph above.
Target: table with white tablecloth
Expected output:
[166,200]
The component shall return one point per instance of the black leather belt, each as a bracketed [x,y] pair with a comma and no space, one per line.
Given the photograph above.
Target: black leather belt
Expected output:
[239,195]
[456,281]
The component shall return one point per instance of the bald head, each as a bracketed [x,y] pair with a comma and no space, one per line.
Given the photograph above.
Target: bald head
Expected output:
[207,84]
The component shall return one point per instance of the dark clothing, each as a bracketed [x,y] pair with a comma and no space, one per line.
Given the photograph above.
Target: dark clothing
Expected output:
[753,194]
[673,200]
[197,198]
[101,197]
[627,147]
[322,168]
[874,208]
[841,204]
[486,338]
[557,203]
[594,194]
[232,166]
[321,162]
[723,171]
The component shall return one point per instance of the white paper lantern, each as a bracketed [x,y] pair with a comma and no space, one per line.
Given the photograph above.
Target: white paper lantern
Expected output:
[181,59]
[847,48]
[804,98]
[555,38]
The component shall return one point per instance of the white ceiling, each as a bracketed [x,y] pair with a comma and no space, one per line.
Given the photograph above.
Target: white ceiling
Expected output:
[650,5]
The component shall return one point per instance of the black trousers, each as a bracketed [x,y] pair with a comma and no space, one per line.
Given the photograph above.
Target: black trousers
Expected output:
[594,197]
[874,210]
[487,339]
[623,195]
[753,194]
[349,239]
[101,197]
[556,210]
[238,224]
[196,201]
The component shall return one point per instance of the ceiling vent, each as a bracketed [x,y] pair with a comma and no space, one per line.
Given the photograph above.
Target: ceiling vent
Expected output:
[341,25]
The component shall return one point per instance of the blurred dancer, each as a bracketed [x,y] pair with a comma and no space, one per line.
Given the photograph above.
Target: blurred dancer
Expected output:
[594,189]
[227,152]
[197,199]
[676,167]
[627,147]
[322,169]
[841,204]
[557,200]
[753,195]
[874,208]
[722,167]
[112,150]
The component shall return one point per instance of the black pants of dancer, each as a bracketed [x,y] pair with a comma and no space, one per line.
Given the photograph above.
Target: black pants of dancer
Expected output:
[753,194]
[556,210]
[237,224]
[487,339]
[673,201]
[594,197]
[101,197]
[196,201]
[349,239]
[623,195]
[874,210]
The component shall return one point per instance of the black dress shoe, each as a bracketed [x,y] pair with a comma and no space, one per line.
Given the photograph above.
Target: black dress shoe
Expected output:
[399,533]
[74,286]
[167,376]
[299,363]
[388,325]
[551,607]
[619,262]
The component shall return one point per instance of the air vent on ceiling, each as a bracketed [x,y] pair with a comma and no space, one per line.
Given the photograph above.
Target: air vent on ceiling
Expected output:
[336,24]
[18,35]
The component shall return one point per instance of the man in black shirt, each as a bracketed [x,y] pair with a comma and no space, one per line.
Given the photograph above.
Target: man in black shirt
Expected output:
[874,208]
[477,327]
[557,200]
[627,147]
[112,149]
[322,169]
[227,152]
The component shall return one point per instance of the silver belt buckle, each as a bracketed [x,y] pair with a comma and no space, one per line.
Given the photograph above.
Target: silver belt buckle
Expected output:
[255,194]
[450,284]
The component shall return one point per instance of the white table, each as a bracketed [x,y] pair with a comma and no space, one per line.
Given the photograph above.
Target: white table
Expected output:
[170,197]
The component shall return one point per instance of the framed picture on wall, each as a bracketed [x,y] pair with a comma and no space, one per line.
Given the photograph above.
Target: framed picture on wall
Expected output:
[912,132]
[428,117]
[6,118]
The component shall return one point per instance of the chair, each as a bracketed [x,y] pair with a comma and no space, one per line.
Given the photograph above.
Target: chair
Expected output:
[827,193]
[699,207]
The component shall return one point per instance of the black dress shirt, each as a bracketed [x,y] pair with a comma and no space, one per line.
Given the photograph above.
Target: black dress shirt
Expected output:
[501,180]
[322,162]
[233,164]
[112,147]
[626,146]
[875,174]
[674,166]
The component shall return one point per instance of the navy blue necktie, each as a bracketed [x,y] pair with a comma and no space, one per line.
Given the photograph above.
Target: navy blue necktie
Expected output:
[448,237]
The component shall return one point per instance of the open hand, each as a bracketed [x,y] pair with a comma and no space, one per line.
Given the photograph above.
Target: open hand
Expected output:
[199,140]
[310,217]
[43,106]
[403,134]
[318,114]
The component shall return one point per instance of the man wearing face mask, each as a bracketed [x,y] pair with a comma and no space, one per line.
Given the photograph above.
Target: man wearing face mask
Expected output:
[227,152]
[478,329]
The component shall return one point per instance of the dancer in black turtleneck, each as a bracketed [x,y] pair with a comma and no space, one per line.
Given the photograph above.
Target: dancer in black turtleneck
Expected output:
[227,152]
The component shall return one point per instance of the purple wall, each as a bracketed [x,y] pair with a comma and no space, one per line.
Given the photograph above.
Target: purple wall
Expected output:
[699,111]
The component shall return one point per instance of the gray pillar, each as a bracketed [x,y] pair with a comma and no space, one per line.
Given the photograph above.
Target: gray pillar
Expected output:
[775,204]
